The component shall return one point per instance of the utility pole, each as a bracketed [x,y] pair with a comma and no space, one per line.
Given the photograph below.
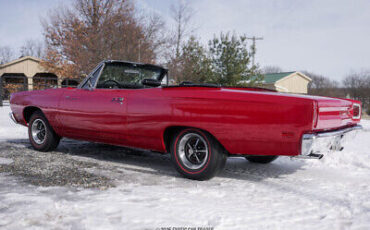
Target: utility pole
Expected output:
[1,91]
[254,38]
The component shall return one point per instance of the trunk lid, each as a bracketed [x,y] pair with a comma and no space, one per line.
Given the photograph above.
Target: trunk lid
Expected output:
[328,112]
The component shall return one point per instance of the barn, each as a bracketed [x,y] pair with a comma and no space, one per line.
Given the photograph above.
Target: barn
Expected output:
[26,73]
[288,82]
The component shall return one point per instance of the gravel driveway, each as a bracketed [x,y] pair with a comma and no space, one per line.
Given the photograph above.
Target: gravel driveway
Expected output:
[75,163]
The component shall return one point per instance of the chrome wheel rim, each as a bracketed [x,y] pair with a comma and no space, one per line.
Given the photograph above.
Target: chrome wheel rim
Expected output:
[38,131]
[193,151]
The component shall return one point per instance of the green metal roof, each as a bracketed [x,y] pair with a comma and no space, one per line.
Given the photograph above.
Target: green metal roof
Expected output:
[274,77]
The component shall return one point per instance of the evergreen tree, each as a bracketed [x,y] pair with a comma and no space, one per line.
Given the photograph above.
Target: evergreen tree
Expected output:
[195,63]
[231,61]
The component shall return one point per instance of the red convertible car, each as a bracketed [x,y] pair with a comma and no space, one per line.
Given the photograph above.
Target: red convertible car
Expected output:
[126,104]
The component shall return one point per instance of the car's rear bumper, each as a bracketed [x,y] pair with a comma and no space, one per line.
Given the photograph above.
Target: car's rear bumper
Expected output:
[316,144]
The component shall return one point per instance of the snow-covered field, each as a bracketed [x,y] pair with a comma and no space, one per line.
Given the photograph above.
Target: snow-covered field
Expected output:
[116,188]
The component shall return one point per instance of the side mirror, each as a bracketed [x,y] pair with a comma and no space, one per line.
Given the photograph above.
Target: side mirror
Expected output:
[151,82]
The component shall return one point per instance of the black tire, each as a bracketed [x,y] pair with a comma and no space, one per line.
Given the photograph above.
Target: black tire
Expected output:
[202,165]
[43,141]
[261,159]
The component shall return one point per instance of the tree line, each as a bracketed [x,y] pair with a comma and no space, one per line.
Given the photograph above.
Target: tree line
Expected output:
[78,37]
[355,85]
[29,48]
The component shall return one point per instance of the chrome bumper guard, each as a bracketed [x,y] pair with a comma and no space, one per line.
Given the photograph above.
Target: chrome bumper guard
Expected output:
[316,144]
[11,115]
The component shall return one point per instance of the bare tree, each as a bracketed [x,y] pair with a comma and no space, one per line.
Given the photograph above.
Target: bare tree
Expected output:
[271,69]
[6,54]
[181,13]
[357,86]
[79,37]
[323,86]
[357,80]
[319,81]
[154,29]
[32,48]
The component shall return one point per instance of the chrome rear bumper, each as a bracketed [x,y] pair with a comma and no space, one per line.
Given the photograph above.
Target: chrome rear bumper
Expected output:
[11,115]
[316,144]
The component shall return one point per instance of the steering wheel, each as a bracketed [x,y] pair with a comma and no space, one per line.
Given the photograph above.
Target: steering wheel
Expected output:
[115,85]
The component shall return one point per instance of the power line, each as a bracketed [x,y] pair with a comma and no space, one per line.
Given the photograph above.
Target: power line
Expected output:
[254,38]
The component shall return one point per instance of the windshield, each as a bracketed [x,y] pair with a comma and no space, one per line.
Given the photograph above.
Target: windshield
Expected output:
[126,75]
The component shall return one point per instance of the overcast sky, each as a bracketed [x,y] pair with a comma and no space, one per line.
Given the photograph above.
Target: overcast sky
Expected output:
[330,37]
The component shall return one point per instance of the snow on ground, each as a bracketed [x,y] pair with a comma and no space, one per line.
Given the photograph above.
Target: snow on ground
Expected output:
[332,193]
[8,129]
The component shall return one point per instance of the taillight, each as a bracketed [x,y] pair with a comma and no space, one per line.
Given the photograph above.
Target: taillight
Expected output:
[315,114]
[356,111]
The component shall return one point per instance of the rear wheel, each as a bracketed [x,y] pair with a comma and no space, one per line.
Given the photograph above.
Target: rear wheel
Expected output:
[41,134]
[261,159]
[197,155]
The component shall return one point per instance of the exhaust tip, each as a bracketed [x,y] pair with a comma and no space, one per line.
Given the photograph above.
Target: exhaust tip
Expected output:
[311,156]
[316,156]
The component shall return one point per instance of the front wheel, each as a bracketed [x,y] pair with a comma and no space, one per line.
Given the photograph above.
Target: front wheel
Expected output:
[197,155]
[261,159]
[41,134]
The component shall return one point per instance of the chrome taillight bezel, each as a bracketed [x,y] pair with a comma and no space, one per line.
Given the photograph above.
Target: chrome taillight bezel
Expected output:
[359,111]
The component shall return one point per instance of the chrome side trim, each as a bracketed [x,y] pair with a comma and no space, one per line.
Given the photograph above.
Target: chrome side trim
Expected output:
[11,115]
[332,109]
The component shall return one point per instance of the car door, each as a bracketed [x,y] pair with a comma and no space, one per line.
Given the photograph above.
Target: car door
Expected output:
[96,115]
[98,109]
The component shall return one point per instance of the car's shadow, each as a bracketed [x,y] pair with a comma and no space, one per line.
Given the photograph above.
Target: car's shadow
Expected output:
[160,164]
